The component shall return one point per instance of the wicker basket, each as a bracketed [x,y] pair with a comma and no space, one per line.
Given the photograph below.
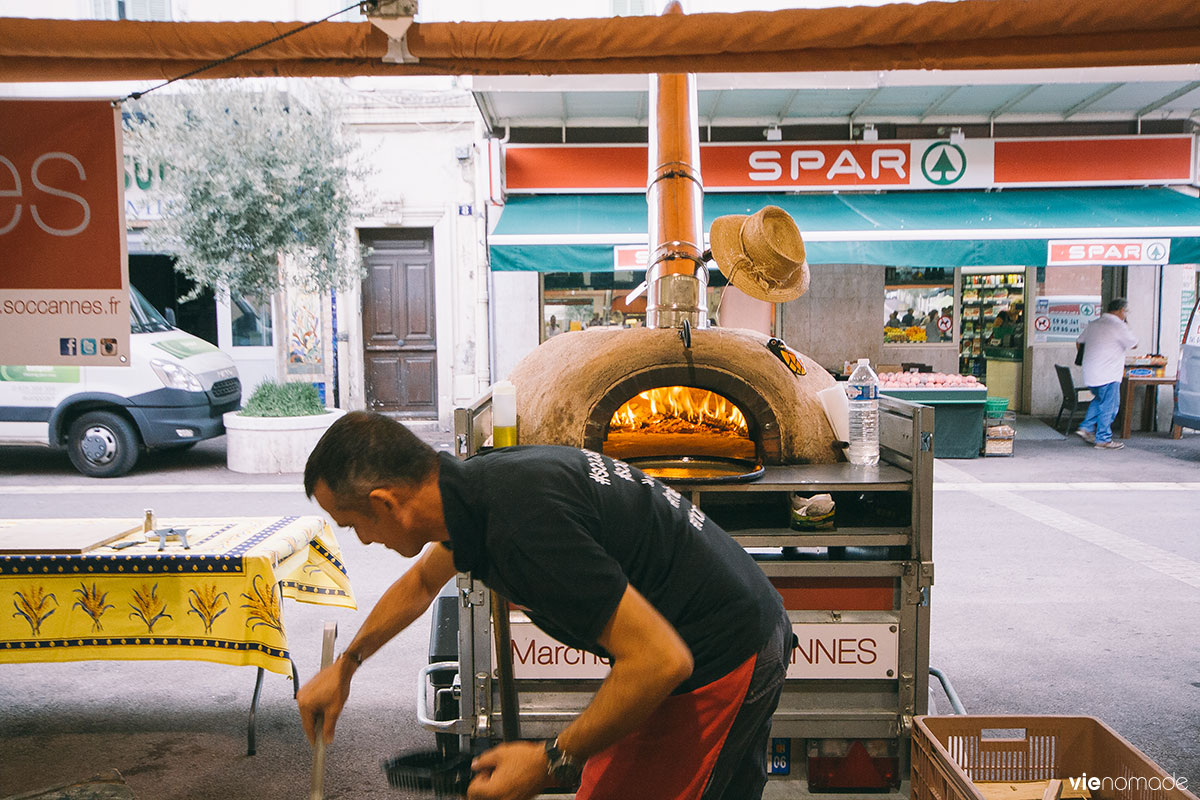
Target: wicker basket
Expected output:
[949,754]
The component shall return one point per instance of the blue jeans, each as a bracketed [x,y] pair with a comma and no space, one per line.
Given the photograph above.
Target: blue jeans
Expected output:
[1102,411]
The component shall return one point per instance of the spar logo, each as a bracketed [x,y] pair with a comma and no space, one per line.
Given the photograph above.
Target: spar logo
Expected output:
[943,163]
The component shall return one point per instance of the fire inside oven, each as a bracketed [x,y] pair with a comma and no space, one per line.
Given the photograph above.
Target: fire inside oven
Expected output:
[684,433]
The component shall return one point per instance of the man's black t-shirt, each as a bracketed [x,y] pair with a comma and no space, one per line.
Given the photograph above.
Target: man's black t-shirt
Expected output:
[562,531]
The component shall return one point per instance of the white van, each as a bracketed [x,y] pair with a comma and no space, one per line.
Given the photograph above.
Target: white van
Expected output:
[1187,385]
[172,394]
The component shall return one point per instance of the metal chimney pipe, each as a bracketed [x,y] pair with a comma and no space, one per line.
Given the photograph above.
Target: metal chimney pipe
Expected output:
[677,277]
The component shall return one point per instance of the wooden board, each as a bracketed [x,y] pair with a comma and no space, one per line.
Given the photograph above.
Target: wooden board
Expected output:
[60,536]
[1026,790]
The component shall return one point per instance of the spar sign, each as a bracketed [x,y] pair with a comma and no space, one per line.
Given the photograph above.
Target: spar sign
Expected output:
[1120,252]
[894,164]
[64,285]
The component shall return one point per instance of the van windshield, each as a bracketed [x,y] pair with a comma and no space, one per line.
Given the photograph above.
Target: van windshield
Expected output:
[143,317]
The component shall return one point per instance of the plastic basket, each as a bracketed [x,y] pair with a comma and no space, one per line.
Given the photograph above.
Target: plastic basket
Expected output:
[950,754]
[995,406]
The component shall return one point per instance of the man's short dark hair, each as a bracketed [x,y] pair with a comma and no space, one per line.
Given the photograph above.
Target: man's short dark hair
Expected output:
[364,451]
[1117,304]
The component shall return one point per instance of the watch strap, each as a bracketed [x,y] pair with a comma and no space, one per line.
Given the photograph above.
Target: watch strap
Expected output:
[561,767]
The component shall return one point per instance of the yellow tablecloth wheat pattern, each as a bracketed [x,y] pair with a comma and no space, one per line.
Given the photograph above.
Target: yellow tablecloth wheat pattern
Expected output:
[217,601]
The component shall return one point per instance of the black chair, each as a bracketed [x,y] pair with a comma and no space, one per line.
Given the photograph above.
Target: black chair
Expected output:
[1071,402]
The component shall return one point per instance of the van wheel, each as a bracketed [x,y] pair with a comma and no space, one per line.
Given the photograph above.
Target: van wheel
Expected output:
[102,444]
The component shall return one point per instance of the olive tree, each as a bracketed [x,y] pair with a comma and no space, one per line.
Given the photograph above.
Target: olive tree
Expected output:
[254,178]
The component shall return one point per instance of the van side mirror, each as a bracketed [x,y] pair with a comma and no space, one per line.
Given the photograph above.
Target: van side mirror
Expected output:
[169,315]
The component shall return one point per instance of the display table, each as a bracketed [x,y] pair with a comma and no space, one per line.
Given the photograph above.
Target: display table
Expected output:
[218,600]
[1149,409]
[957,419]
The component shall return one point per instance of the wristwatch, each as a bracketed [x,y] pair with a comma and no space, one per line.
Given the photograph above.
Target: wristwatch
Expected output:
[562,769]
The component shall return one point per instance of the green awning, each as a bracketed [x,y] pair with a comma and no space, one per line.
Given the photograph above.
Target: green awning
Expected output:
[577,233]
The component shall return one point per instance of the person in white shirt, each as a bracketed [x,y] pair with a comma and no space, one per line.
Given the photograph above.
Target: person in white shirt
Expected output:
[1108,339]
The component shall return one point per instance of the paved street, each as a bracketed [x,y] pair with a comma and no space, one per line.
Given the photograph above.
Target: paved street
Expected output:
[1067,582]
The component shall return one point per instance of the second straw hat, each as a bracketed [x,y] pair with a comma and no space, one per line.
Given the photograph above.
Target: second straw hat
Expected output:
[762,254]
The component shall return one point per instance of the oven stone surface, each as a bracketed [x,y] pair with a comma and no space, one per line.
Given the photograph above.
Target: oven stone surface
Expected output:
[569,387]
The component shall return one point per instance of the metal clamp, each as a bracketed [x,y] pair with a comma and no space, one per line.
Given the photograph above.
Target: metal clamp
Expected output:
[423,715]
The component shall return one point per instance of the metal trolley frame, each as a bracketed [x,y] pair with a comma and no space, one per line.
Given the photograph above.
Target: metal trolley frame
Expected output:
[887,549]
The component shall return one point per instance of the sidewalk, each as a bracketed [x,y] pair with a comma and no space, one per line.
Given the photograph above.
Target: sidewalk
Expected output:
[1040,454]
[1043,454]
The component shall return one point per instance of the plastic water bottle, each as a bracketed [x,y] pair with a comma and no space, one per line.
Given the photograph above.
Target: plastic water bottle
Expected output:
[862,391]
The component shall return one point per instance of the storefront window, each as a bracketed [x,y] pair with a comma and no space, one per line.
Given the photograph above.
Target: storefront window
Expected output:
[993,316]
[918,305]
[572,301]
[250,316]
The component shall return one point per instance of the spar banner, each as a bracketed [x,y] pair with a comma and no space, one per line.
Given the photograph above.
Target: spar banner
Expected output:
[64,280]
[922,164]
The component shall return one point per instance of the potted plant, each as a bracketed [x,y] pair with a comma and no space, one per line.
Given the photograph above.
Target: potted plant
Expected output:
[277,428]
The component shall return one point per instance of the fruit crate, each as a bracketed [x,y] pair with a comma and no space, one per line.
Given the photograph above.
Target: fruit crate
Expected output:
[964,757]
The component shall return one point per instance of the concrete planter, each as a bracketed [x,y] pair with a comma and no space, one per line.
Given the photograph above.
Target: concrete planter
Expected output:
[273,444]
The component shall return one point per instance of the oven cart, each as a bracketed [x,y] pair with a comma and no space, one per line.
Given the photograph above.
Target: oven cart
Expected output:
[857,594]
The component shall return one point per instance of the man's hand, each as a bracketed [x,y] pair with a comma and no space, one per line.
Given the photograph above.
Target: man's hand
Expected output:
[323,697]
[510,771]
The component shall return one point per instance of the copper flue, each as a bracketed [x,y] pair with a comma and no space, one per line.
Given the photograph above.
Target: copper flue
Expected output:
[677,278]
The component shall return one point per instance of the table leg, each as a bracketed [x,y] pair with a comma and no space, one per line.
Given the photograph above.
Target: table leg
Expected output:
[1126,408]
[250,745]
[1150,409]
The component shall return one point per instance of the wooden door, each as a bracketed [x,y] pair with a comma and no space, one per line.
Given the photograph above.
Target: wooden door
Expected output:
[398,324]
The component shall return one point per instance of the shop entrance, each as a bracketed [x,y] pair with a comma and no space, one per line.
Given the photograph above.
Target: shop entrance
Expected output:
[399,333]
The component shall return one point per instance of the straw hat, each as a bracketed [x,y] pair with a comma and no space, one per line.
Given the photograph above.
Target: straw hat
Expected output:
[761,254]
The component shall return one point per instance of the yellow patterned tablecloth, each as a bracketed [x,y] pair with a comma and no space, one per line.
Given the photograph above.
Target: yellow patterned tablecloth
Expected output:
[217,601]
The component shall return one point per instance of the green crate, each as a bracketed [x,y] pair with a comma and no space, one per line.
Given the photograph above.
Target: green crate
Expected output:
[996,406]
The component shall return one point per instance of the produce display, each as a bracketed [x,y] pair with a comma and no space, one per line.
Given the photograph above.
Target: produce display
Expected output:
[913,333]
[927,380]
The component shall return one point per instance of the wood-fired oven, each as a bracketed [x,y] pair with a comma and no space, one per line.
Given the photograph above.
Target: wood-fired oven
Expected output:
[727,395]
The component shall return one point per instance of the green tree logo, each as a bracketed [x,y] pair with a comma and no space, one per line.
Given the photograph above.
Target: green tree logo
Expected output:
[943,163]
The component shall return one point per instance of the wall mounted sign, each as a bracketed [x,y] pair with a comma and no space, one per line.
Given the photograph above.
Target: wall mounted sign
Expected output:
[923,164]
[64,284]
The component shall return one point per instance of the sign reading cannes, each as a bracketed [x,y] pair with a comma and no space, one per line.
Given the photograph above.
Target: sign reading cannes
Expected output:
[64,296]
[60,213]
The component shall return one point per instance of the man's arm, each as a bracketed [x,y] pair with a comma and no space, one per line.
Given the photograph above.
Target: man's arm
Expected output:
[649,659]
[403,602]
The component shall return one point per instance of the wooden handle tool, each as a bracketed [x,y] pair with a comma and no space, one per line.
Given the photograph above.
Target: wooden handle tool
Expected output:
[317,792]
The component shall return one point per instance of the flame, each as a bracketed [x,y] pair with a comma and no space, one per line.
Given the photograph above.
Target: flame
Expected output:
[679,409]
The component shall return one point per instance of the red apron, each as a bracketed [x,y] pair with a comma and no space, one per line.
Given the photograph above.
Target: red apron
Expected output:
[671,755]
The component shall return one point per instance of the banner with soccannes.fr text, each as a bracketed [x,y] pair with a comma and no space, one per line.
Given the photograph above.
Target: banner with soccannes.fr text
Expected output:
[64,279]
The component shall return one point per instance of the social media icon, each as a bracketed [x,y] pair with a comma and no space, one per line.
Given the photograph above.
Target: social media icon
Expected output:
[66,346]
[87,347]
[108,347]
